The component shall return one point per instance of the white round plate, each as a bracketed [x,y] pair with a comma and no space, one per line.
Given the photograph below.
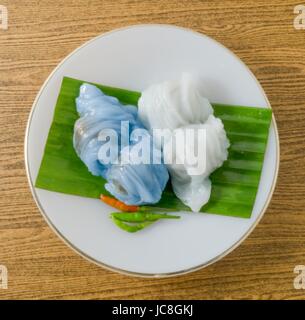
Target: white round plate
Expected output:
[134,58]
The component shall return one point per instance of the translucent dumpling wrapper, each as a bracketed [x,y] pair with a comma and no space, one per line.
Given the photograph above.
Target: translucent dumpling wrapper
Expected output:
[177,106]
[134,182]
[209,149]
[173,104]
[131,182]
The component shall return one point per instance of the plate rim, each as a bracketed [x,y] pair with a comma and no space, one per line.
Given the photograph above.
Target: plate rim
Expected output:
[119,270]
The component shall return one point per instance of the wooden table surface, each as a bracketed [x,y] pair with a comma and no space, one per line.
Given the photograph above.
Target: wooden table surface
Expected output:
[261,33]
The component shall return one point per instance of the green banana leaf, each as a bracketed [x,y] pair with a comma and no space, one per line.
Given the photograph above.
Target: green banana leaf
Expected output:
[234,185]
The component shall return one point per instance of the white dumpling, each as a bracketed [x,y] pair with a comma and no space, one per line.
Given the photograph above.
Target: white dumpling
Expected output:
[177,106]
[172,104]
[191,182]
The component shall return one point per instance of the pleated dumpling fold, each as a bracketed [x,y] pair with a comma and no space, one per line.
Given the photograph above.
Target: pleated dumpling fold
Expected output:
[131,182]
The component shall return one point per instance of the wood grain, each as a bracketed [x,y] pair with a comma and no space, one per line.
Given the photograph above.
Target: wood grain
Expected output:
[261,33]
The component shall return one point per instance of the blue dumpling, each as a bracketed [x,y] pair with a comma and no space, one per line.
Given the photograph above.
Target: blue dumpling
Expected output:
[97,112]
[130,182]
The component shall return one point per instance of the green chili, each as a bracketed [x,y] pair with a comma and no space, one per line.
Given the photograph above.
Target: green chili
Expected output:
[142,216]
[131,227]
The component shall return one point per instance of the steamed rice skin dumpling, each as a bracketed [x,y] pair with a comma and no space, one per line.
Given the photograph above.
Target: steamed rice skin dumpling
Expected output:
[183,106]
[191,182]
[173,104]
[131,182]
